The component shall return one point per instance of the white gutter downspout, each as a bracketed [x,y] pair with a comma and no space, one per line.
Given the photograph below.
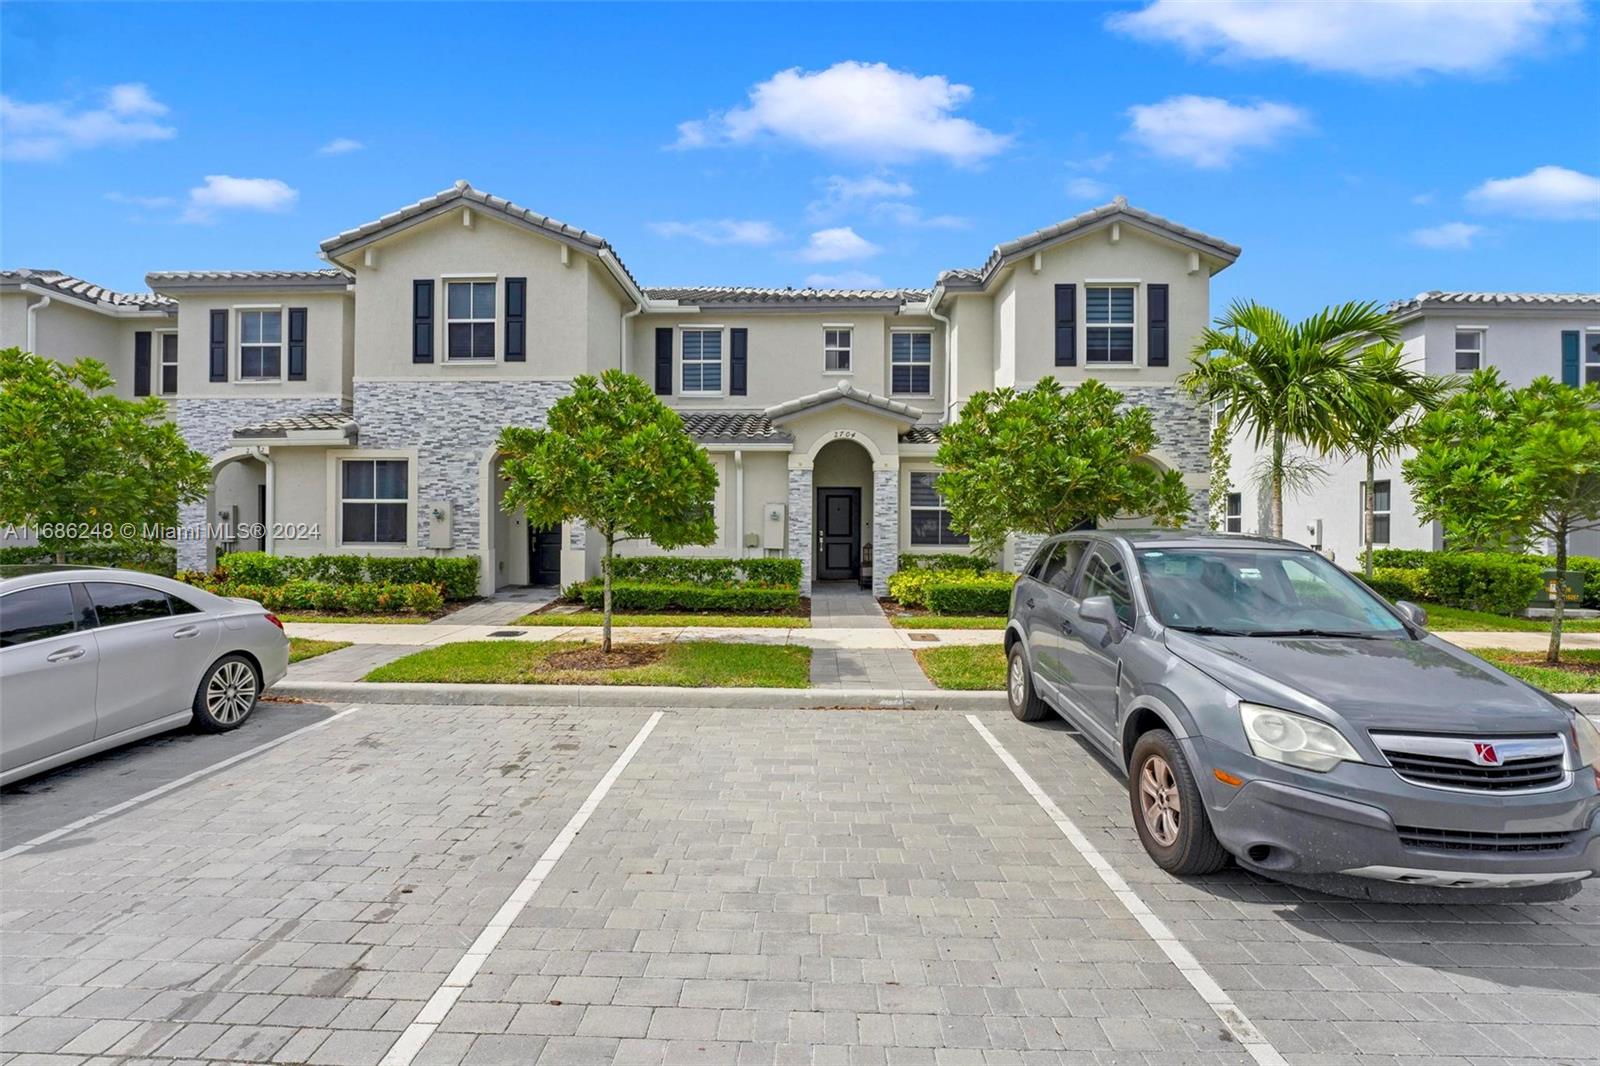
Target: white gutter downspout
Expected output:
[626,326]
[949,355]
[738,503]
[33,309]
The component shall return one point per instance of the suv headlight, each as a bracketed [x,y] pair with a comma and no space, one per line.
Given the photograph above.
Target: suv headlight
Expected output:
[1587,738]
[1294,739]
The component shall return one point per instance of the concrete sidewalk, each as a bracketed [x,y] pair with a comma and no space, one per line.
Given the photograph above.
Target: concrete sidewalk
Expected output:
[441,633]
[649,697]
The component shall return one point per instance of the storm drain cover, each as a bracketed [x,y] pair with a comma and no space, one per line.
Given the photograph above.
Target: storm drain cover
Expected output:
[924,636]
[508,633]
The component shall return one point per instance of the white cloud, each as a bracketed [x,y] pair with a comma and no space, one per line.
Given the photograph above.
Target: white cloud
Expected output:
[341,146]
[222,193]
[1371,38]
[1544,192]
[861,110]
[1208,131]
[719,231]
[1088,189]
[878,197]
[849,279]
[911,216]
[1449,235]
[836,245]
[126,114]
[148,202]
[1423,199]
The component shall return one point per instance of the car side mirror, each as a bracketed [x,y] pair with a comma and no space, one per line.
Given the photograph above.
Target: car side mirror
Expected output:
[1412,613]
[1100,609]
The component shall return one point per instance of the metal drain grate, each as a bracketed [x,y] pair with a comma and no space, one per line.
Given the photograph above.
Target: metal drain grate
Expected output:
[508,633]
[925,636]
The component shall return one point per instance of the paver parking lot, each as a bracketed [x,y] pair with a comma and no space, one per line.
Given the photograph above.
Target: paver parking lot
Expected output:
[827,886]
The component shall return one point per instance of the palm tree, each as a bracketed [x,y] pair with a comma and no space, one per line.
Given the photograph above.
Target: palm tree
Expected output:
[1383,417]
[1286,382]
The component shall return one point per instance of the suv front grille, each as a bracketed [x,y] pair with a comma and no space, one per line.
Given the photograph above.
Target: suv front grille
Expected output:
[1477,764]
[1412,836]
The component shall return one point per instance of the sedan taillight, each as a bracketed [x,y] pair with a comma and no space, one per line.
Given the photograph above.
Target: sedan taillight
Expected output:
[274,620]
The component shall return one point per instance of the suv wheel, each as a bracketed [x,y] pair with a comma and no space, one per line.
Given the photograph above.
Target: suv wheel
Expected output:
[1168,812]
[1025,702]
[227,695]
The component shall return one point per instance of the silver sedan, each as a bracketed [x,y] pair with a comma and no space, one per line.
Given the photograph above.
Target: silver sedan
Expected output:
[93,658]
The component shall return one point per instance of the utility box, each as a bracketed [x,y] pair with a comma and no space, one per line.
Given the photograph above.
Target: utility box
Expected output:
[774,537]
[439,523]
[1546,596]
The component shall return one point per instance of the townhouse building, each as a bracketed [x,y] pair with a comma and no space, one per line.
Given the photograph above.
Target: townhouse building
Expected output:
[356,408]
[1522,335]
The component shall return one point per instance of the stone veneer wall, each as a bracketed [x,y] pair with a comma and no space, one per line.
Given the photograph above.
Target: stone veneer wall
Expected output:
[207,423]
[452,425]
[885,528]
[800,501]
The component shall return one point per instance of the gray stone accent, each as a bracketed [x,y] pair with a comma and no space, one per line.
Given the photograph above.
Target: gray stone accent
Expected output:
[1023,546]
[885,528]
[452,425]
[207,423]
[800,524]
[577,533]
[1185,431]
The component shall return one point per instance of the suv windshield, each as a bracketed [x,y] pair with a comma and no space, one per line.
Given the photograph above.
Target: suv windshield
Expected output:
[1260,592]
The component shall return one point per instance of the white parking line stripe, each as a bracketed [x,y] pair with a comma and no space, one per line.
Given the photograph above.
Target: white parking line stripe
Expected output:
[1242,1029]
[145,797]
[403,1050]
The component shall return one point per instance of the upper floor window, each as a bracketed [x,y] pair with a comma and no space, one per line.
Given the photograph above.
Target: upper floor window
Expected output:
[836,350]
[260,345]
[911,363]
[1469,350]
[469,319]
[1234,519]
[702,361]
[169,363]
[1591,357]
[930,520]
[1108,310]
[373,501]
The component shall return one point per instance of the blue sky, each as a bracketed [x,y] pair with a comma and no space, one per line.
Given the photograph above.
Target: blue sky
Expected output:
[1354,150]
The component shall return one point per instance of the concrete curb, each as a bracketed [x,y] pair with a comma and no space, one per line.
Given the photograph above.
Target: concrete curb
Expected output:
[644,696]
[1587,702]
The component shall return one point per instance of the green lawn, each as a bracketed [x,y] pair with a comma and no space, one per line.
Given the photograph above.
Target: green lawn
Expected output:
[305,648]
[330,618]
[908,620]
[685,664]
[1456,620]
[678,618]
[980,666]
[1579,670]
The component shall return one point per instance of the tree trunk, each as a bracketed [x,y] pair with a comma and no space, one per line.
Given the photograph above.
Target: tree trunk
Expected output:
[1275,476]
[1553,656]
[605,602]
[61,556]
[1369,518]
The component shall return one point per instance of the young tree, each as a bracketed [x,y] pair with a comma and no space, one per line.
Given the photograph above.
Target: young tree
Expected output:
[619,459]
[1503,467]
[74,455]
[1383,415]
[1285,382]
[1047,459]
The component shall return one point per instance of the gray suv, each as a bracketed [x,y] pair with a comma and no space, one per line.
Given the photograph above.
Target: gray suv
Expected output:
[1269,707]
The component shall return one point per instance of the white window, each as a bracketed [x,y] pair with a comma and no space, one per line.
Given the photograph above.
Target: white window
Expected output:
[169,363]
[1234,520]
[373,502]
[261,345]
[1591,357]
[469,319]
[1469,350]
[930,520]
[836,350]
[1108,310]
[911,363]
[1380,514]
[702,361]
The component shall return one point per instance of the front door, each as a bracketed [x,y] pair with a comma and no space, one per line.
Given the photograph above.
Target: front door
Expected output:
[544,555]
[838,534]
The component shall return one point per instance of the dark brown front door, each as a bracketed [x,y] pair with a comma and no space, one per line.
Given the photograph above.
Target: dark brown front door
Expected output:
[544,556]
[838,533]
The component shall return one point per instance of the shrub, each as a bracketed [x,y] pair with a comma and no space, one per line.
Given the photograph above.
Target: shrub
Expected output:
[913,588]
[304,594]
[1482,581]
[946,561]
[1396,582]
[658,596]
[152,557]
[1407,558]
[687,570]
[457,578]
[971,594]
[909,588]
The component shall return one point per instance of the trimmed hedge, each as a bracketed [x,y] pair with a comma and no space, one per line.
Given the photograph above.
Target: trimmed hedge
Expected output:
[686,570]
[1405,558]
[1396,582]
[457,578]
[1483,581]
[978,564]
[1417,559]
[336,597]
[978,594]
[664,596]
[152,557]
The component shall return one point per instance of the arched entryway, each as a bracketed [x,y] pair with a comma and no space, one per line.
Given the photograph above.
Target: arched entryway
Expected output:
[238,505]
[843,487]
[518,555]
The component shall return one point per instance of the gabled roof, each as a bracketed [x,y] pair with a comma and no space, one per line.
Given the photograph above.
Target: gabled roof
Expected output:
[921,435]
[1553,301]
[86,291]
[463,194]
[845,393]
[746,298]
[247,279]
[733,427]
[1118,210]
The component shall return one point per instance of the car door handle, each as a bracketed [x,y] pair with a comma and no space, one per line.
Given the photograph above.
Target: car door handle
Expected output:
[1066,627]
[186,631]
[1030,603]
[65,655]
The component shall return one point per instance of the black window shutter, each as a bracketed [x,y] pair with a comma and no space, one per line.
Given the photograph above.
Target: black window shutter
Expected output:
[422,321]
[1571,366]
[141,363]
[297,344]
[664,361]
[219,346]
[1066,325]
[738,360]
[1156,306]
[516,320]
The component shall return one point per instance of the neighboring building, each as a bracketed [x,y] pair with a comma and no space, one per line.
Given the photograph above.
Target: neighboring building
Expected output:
[1523,335]
[364,400]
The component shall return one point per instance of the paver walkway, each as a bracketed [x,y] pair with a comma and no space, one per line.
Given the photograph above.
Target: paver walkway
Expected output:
[349,664]
[506,605]
[845,606]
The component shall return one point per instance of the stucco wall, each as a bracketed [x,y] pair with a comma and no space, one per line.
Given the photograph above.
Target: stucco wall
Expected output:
[67,332]
[328,316]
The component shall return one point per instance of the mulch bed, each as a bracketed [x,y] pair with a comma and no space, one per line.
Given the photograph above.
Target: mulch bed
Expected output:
[621,657]
[1567,665]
